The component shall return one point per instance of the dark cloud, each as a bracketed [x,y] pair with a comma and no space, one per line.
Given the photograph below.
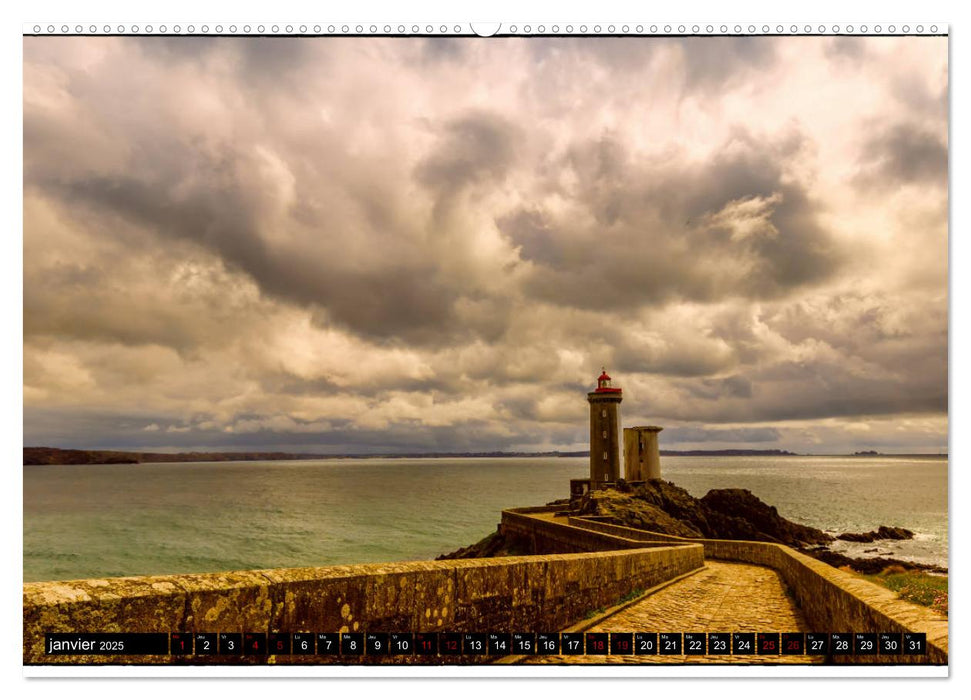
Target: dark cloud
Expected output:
[695,354]
[615,53]
[398,297]
[178,49]
[846,48]
[734,226]
[261,62]
[924,95]
[478,147]
[810,390]
[705,63]
[903,154]
[718,62]
[443,48]
[735,386]
[275,58]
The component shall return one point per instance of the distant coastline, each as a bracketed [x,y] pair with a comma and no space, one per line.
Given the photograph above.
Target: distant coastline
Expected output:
[55,455]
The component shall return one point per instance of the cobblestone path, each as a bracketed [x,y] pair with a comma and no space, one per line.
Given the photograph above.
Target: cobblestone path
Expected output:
[725,597]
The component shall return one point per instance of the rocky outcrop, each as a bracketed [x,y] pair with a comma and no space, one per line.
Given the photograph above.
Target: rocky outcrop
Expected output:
[881,533]
[740,508]
[660,510]
[731,514]
[868,565]
[493,545]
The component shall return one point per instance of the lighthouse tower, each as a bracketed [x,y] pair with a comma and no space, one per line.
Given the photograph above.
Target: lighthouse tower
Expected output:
[605,438]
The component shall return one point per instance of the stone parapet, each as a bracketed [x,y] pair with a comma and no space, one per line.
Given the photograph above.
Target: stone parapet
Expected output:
[501,595]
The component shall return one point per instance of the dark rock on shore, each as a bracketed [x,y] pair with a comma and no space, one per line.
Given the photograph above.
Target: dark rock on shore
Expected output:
[869,565]
[881,533]
[730,514]
[493,545]
[660,509]
[731,507]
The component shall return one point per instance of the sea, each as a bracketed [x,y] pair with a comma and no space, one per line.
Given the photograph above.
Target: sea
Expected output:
[94,521]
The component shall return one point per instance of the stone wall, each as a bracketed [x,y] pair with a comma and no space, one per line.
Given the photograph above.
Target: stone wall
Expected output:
[534,593]
[548,537]
[832,600]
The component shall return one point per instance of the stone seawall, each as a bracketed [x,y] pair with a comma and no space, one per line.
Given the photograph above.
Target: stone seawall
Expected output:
[832,600]
[531,593]
[549,537]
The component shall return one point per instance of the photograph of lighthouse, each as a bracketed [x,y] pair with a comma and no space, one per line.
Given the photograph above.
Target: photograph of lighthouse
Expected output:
[519,351]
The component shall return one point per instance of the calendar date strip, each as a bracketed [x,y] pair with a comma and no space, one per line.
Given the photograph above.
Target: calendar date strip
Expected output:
[360,644]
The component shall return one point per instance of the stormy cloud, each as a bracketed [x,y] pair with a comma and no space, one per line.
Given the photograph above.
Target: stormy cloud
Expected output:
[904,154]
[369,245]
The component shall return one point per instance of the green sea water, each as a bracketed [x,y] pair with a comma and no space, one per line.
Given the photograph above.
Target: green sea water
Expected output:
[124,520]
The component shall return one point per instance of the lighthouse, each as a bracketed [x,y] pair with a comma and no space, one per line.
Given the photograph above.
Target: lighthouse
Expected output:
[605,438]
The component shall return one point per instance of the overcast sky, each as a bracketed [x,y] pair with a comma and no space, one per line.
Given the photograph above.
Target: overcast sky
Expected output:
[358,245]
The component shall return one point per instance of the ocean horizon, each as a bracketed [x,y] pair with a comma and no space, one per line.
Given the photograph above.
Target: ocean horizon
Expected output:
[94,521]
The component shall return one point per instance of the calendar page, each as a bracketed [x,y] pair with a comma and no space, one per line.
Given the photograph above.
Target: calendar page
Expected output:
[553,349]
